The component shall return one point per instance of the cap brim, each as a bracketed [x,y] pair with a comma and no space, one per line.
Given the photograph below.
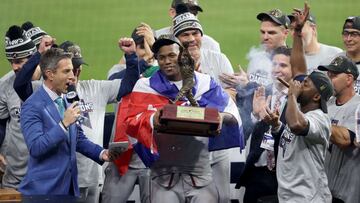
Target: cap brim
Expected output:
[261,16]
[77,62]
[329,68]
[162,42]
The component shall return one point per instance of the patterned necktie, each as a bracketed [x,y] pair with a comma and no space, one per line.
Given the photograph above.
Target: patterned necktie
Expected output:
[277,102]
[61,107]
[270,156]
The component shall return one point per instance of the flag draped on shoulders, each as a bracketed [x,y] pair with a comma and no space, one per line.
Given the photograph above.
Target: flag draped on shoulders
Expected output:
[134,116]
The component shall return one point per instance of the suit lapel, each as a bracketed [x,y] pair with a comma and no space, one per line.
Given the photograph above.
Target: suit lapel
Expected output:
[52,109]
[49,105]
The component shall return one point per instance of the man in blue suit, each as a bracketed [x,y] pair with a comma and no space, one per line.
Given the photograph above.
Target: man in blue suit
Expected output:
[52,136]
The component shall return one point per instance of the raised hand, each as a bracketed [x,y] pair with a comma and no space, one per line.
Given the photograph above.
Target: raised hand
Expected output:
[294,88]
[127,45]
[45,43]
[260,103]
[300,16]
[149,39]
[146,31]
[272,118]
[240,78]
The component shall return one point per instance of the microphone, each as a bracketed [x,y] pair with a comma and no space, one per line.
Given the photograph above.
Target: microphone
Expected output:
[71,94]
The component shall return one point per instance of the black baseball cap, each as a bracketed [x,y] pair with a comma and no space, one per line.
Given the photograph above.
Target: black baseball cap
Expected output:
[277,16]
[311,18]
[190,3]
[352,22]
[75,50]
[164,40]
[342,64]
[324,86]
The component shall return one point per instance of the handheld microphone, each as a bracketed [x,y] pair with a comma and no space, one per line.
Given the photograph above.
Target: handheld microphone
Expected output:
[71,94]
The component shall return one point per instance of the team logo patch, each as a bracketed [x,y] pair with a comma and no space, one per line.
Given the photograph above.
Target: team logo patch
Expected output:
[277,13]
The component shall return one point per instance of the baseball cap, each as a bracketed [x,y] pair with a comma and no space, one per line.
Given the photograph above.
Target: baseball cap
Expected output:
[341,64]
[190,3]
[324,86]
[311,18]
[352,22]
[164,40]
[77,59]
[277,16]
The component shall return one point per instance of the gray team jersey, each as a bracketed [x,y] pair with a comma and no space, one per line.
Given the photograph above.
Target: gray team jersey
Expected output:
[325,55]
[207,42]
[14,147]
[342,164]
[94,97]
[185,155]
[300,164]
[214,64]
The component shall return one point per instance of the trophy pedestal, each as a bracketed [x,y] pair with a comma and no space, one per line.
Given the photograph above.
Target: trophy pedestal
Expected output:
[10,195]
[189,120]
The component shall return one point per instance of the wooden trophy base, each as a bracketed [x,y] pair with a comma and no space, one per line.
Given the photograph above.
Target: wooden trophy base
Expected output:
[189,120]
[10,195]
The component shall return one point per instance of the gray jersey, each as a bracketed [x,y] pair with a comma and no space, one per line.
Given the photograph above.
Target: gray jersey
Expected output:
[357,84]
[177,156]
[325,55]
[94,97]
[341,163]
[207,42]
[300,164]
[14,147]
[214,64]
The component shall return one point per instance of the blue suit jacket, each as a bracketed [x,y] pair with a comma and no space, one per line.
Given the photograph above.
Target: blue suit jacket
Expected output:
[52,162]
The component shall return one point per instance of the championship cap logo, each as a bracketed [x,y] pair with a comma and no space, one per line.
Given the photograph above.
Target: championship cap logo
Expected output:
[276,12]
[337,61]
[75,50]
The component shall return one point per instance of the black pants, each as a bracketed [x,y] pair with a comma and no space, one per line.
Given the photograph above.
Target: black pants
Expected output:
[261,183]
